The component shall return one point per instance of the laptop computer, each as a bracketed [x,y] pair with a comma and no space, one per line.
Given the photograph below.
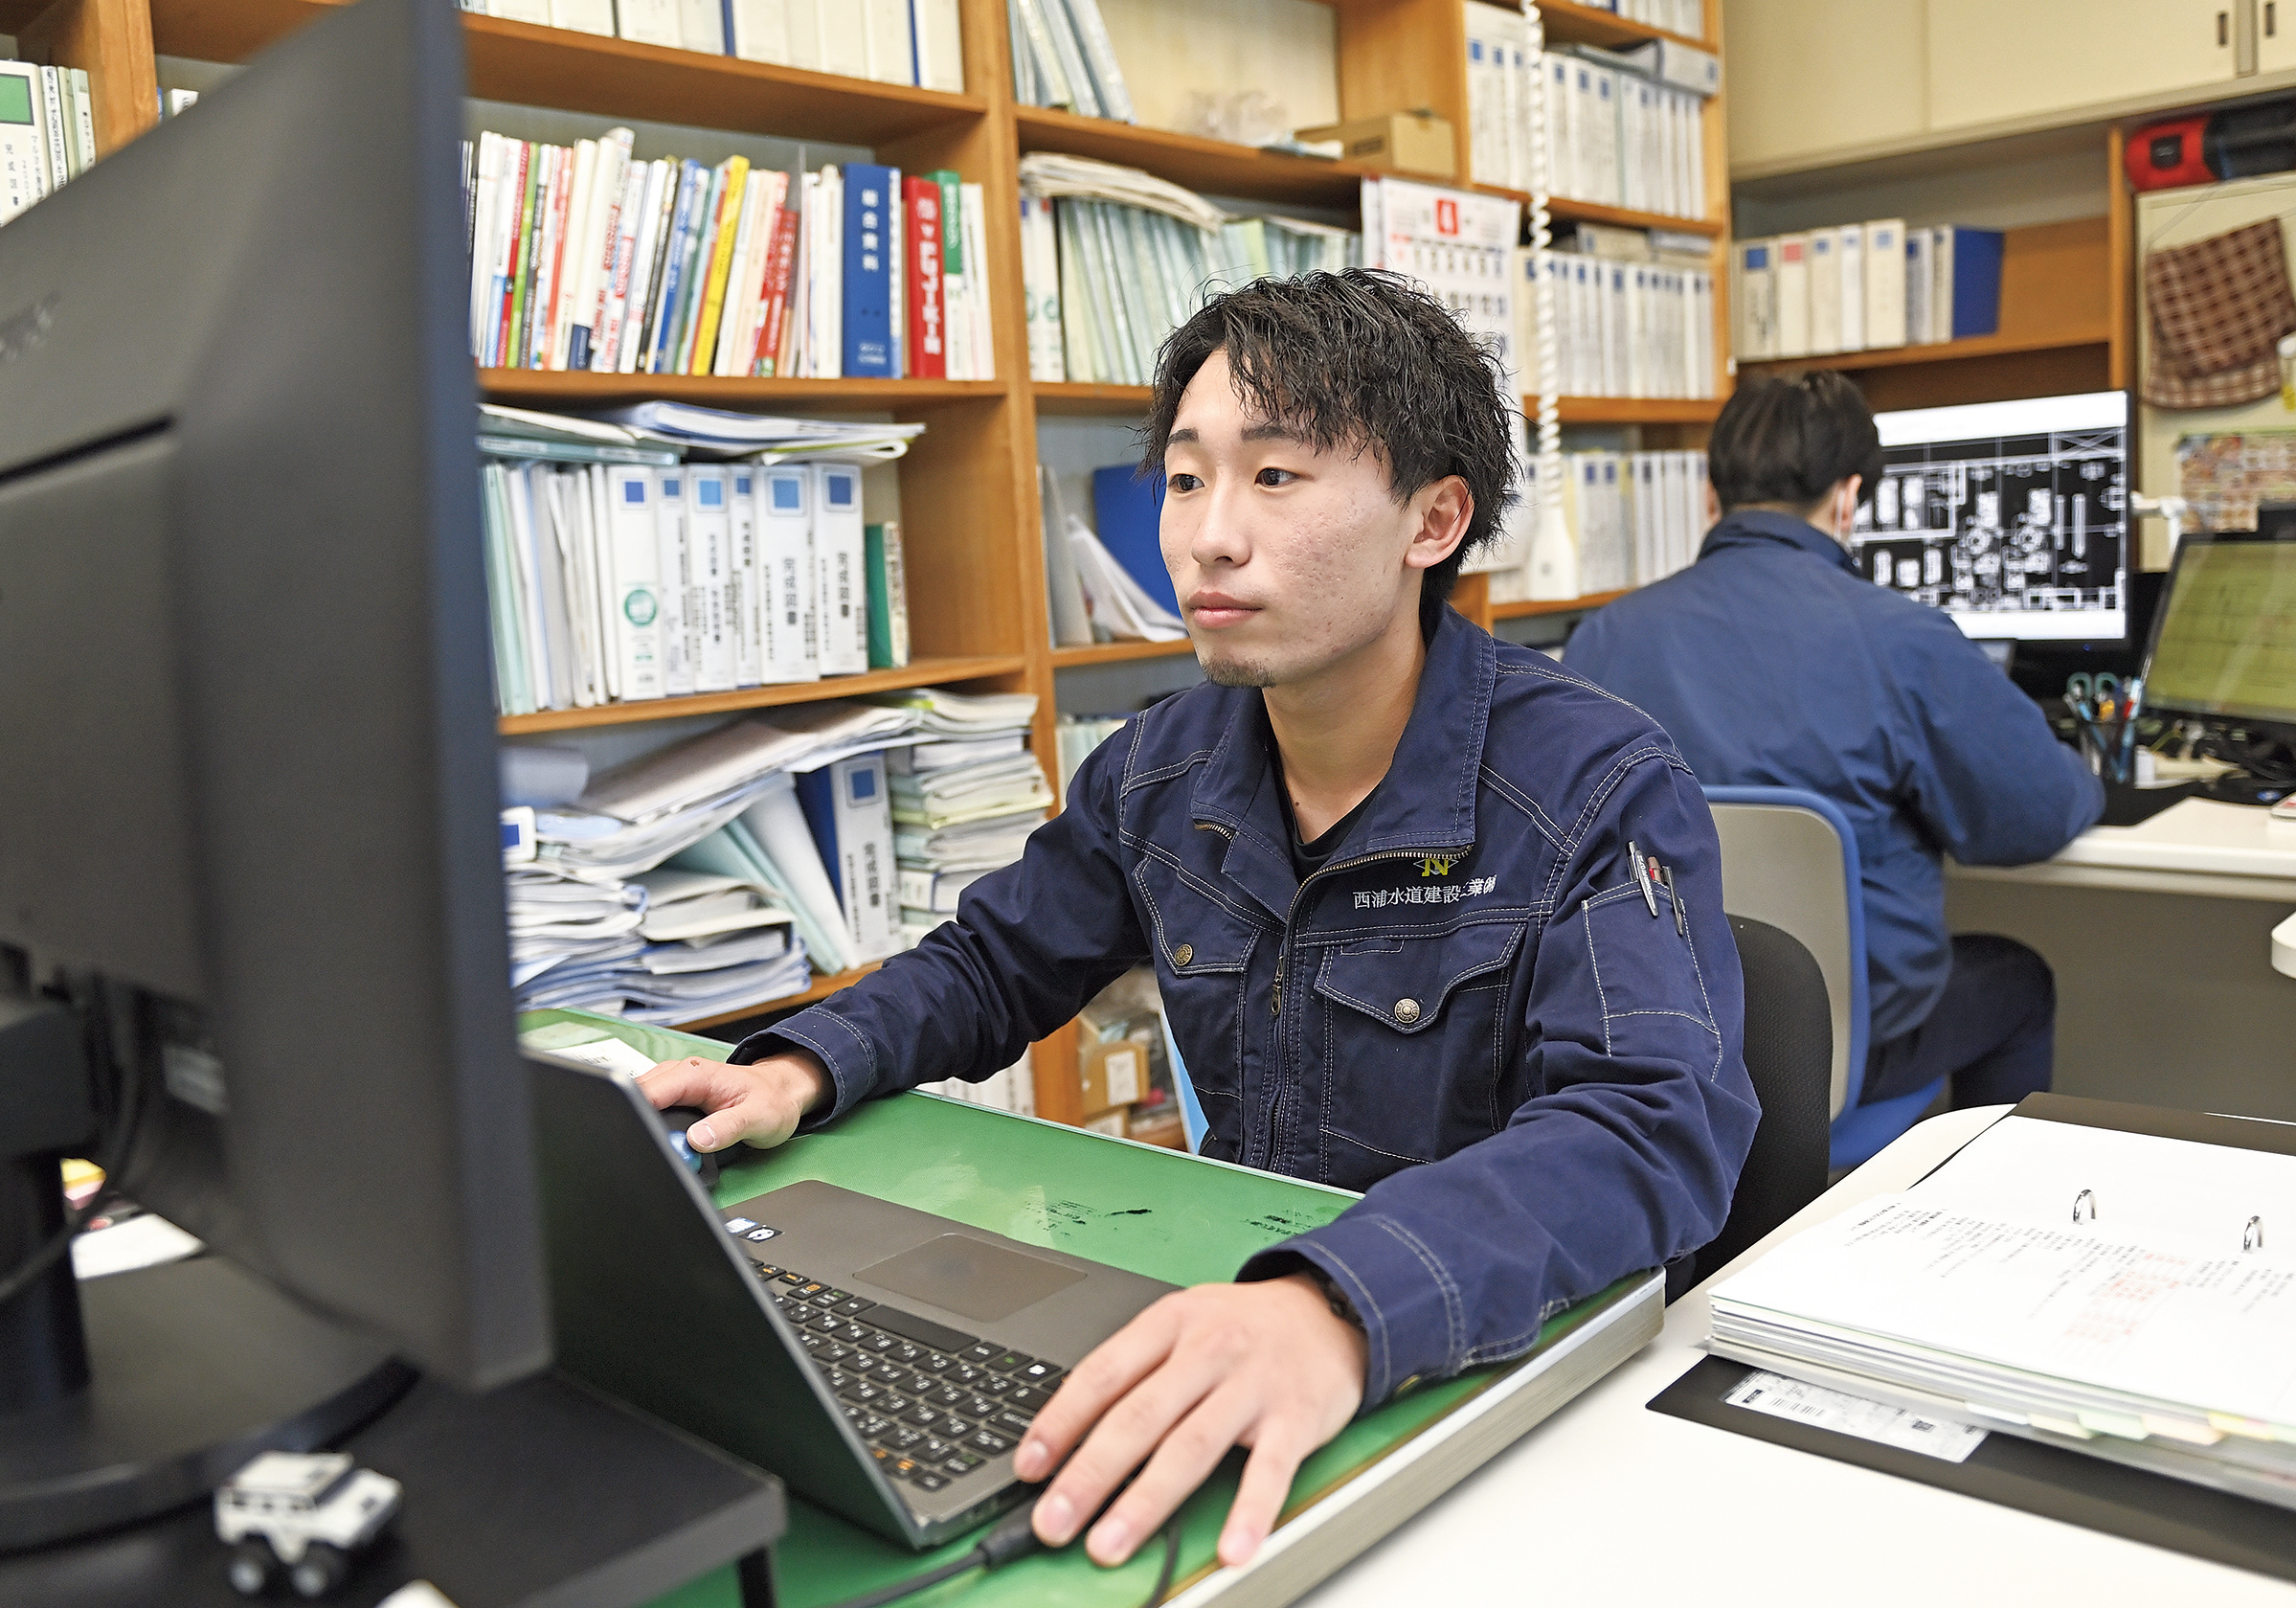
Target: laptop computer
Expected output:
[882,1361]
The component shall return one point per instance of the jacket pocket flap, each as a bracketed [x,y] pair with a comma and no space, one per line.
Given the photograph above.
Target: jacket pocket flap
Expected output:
[1192,931]
[1404,982]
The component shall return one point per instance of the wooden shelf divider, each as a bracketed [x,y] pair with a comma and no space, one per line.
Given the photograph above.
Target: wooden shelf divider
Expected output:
[566,388]
[820,989]
[1118,652]
[1524,609]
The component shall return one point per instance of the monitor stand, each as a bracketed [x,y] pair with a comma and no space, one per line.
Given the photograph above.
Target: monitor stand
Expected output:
[130,1395]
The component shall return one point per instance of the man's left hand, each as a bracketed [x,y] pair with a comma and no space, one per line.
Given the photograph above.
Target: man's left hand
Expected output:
[1269,1366]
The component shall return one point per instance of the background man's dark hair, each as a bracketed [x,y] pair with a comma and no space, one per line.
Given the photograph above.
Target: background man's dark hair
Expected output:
[1361,360]
[1783,442]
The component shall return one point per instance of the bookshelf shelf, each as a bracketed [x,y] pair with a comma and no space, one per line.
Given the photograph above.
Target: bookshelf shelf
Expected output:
[1572,24]
[1076,398]
[1118,652]
[1588,604]
[918,672]
[1943,351]
[1631,410]
[1212,167]
[548,388]
[557,67]
[822,987]
[1565,210]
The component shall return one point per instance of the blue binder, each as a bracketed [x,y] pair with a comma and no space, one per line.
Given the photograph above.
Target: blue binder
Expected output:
[1976,270]
[869,247]
[1128,507]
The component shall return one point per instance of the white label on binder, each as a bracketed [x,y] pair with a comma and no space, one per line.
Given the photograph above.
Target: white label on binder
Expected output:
[1877,1421]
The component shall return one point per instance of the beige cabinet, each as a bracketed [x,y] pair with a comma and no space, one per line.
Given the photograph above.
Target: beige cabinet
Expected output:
[1810,77]
[1992,61]
[2276,37]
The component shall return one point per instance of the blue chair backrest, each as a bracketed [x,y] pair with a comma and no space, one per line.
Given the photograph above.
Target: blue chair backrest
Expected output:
[1858,1130]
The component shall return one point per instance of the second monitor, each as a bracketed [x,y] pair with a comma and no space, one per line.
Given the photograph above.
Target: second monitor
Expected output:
[2010,516]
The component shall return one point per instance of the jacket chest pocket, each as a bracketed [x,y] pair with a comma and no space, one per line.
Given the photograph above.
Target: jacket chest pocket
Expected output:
[1413,1031]
[1203,971]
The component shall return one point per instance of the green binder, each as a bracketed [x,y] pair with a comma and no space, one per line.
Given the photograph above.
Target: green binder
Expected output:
[1159,1213]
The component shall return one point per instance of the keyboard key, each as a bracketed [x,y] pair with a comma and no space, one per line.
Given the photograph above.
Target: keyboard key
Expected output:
[1011,1361]
[870,1427]
[1010,1422]
[970,1374]
[1002,1387]
[939,1337]
[890,1403]
[875,1340]
[977,1407]
[1042,1373]
[853,1415]
[979,1352]
[831,1351]
[937,1361]
[887,1374]
[988,1444]
[814,1343]
[1031,1402]
[923,1415]
[926,1480]
[935,1450]
[880,1454]
[823,1323]
[908,1353]
[901,1467]
[906,1439]
[861,1390]
[793,1279]
[764,1270]
[829,1300]
[951,1427]
[853,1307]
[849,1333]
[960,1462]
[949,1395]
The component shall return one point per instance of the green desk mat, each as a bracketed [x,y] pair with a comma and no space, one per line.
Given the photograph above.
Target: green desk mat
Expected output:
[1155,1212]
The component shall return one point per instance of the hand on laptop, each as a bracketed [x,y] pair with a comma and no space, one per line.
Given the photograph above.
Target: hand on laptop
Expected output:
[1266,1365]
[760,1103]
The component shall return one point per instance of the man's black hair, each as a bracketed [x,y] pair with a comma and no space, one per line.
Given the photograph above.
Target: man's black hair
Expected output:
[1360,360]
[1783,442]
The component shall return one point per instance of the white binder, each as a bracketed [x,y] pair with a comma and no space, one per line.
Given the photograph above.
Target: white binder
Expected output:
[841,598]
[789,648]
[709,539]
[681,641]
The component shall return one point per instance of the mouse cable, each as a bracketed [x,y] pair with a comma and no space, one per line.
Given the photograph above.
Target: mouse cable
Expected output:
[1011,1539]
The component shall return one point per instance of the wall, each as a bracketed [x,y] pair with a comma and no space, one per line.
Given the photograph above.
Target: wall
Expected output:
[2001,184]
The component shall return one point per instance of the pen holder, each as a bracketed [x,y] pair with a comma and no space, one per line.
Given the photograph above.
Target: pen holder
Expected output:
[2107,745]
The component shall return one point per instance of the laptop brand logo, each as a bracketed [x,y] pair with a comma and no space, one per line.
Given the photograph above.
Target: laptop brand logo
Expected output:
[761,1234]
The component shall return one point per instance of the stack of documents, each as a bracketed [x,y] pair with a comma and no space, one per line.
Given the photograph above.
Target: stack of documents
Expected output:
[569,941]
[713,943]
[636,816]
[700,432]
[964,802]
[2099,1290]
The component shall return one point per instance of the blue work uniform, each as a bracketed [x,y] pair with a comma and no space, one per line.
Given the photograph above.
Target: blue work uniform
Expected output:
[1474,1011]
[1773,663]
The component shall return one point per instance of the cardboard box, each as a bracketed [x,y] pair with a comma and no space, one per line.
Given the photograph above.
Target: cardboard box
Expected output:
[1115,1075]
[1400,142]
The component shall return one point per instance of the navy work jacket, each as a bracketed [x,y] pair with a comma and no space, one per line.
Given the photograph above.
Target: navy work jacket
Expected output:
[1773,663]
[1470,1013]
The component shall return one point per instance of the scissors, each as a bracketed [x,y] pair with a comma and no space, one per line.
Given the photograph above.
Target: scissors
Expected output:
[2103,691]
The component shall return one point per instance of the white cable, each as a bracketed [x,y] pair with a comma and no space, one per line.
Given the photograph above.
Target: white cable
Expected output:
[1554,558]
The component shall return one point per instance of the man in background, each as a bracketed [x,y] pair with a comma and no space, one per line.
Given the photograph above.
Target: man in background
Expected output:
[1772,662]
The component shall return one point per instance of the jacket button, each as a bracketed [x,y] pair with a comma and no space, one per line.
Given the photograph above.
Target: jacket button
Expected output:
[1407,1010]
[1182,954]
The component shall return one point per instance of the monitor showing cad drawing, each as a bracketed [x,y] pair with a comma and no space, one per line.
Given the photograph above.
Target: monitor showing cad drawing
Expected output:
[2010,516]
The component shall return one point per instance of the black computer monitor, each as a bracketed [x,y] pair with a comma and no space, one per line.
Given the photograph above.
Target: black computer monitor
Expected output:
[2012,517]
[250,894]
[2223,648]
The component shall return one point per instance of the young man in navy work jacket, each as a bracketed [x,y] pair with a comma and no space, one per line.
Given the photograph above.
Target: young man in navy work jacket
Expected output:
[1381,866]
[1772,662]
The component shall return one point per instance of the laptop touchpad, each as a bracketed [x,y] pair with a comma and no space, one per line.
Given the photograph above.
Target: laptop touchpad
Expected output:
[963,1274]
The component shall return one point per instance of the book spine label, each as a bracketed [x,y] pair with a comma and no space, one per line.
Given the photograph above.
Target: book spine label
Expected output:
[868,310]
[745,599]
[927,317]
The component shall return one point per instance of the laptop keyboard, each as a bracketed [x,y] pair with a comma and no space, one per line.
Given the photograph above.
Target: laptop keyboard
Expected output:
[934,1404]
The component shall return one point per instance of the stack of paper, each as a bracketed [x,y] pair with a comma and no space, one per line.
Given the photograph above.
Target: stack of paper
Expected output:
[2104,1291]
[964,804]
[569,941]
[636,816]
[769,844]
[715,943]
[1062,57]
[1011,1088]
[1081,733]
[761,438]
[1120,607]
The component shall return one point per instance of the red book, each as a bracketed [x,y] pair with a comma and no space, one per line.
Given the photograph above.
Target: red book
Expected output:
[779,263]
[928,331]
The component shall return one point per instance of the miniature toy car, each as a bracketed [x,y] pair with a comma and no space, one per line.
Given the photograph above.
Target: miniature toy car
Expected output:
[307,1513]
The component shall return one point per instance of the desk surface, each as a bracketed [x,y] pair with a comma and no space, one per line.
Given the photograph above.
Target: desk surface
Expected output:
[1608,1501]
[2195,845]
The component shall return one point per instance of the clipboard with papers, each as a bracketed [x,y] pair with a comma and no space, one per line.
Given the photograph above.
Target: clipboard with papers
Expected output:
[2081,1313]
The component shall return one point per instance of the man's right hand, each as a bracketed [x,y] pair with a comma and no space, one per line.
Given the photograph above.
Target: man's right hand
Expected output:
[758,1104]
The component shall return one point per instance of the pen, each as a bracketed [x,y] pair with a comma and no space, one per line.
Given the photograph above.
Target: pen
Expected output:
[1642,877]
[1681,923]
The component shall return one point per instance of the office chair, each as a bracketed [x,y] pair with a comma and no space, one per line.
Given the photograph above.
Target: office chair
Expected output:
[1790,858]
[1789,1055]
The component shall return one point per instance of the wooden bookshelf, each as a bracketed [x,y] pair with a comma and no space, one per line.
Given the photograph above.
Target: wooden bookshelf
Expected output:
[918,672]
[1570,24]
[1631,410]
[1526,609]
[2055,330]
[971,523]
[1118,653]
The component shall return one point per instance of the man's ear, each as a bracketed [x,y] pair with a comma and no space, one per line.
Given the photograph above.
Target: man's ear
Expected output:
[1445,510]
